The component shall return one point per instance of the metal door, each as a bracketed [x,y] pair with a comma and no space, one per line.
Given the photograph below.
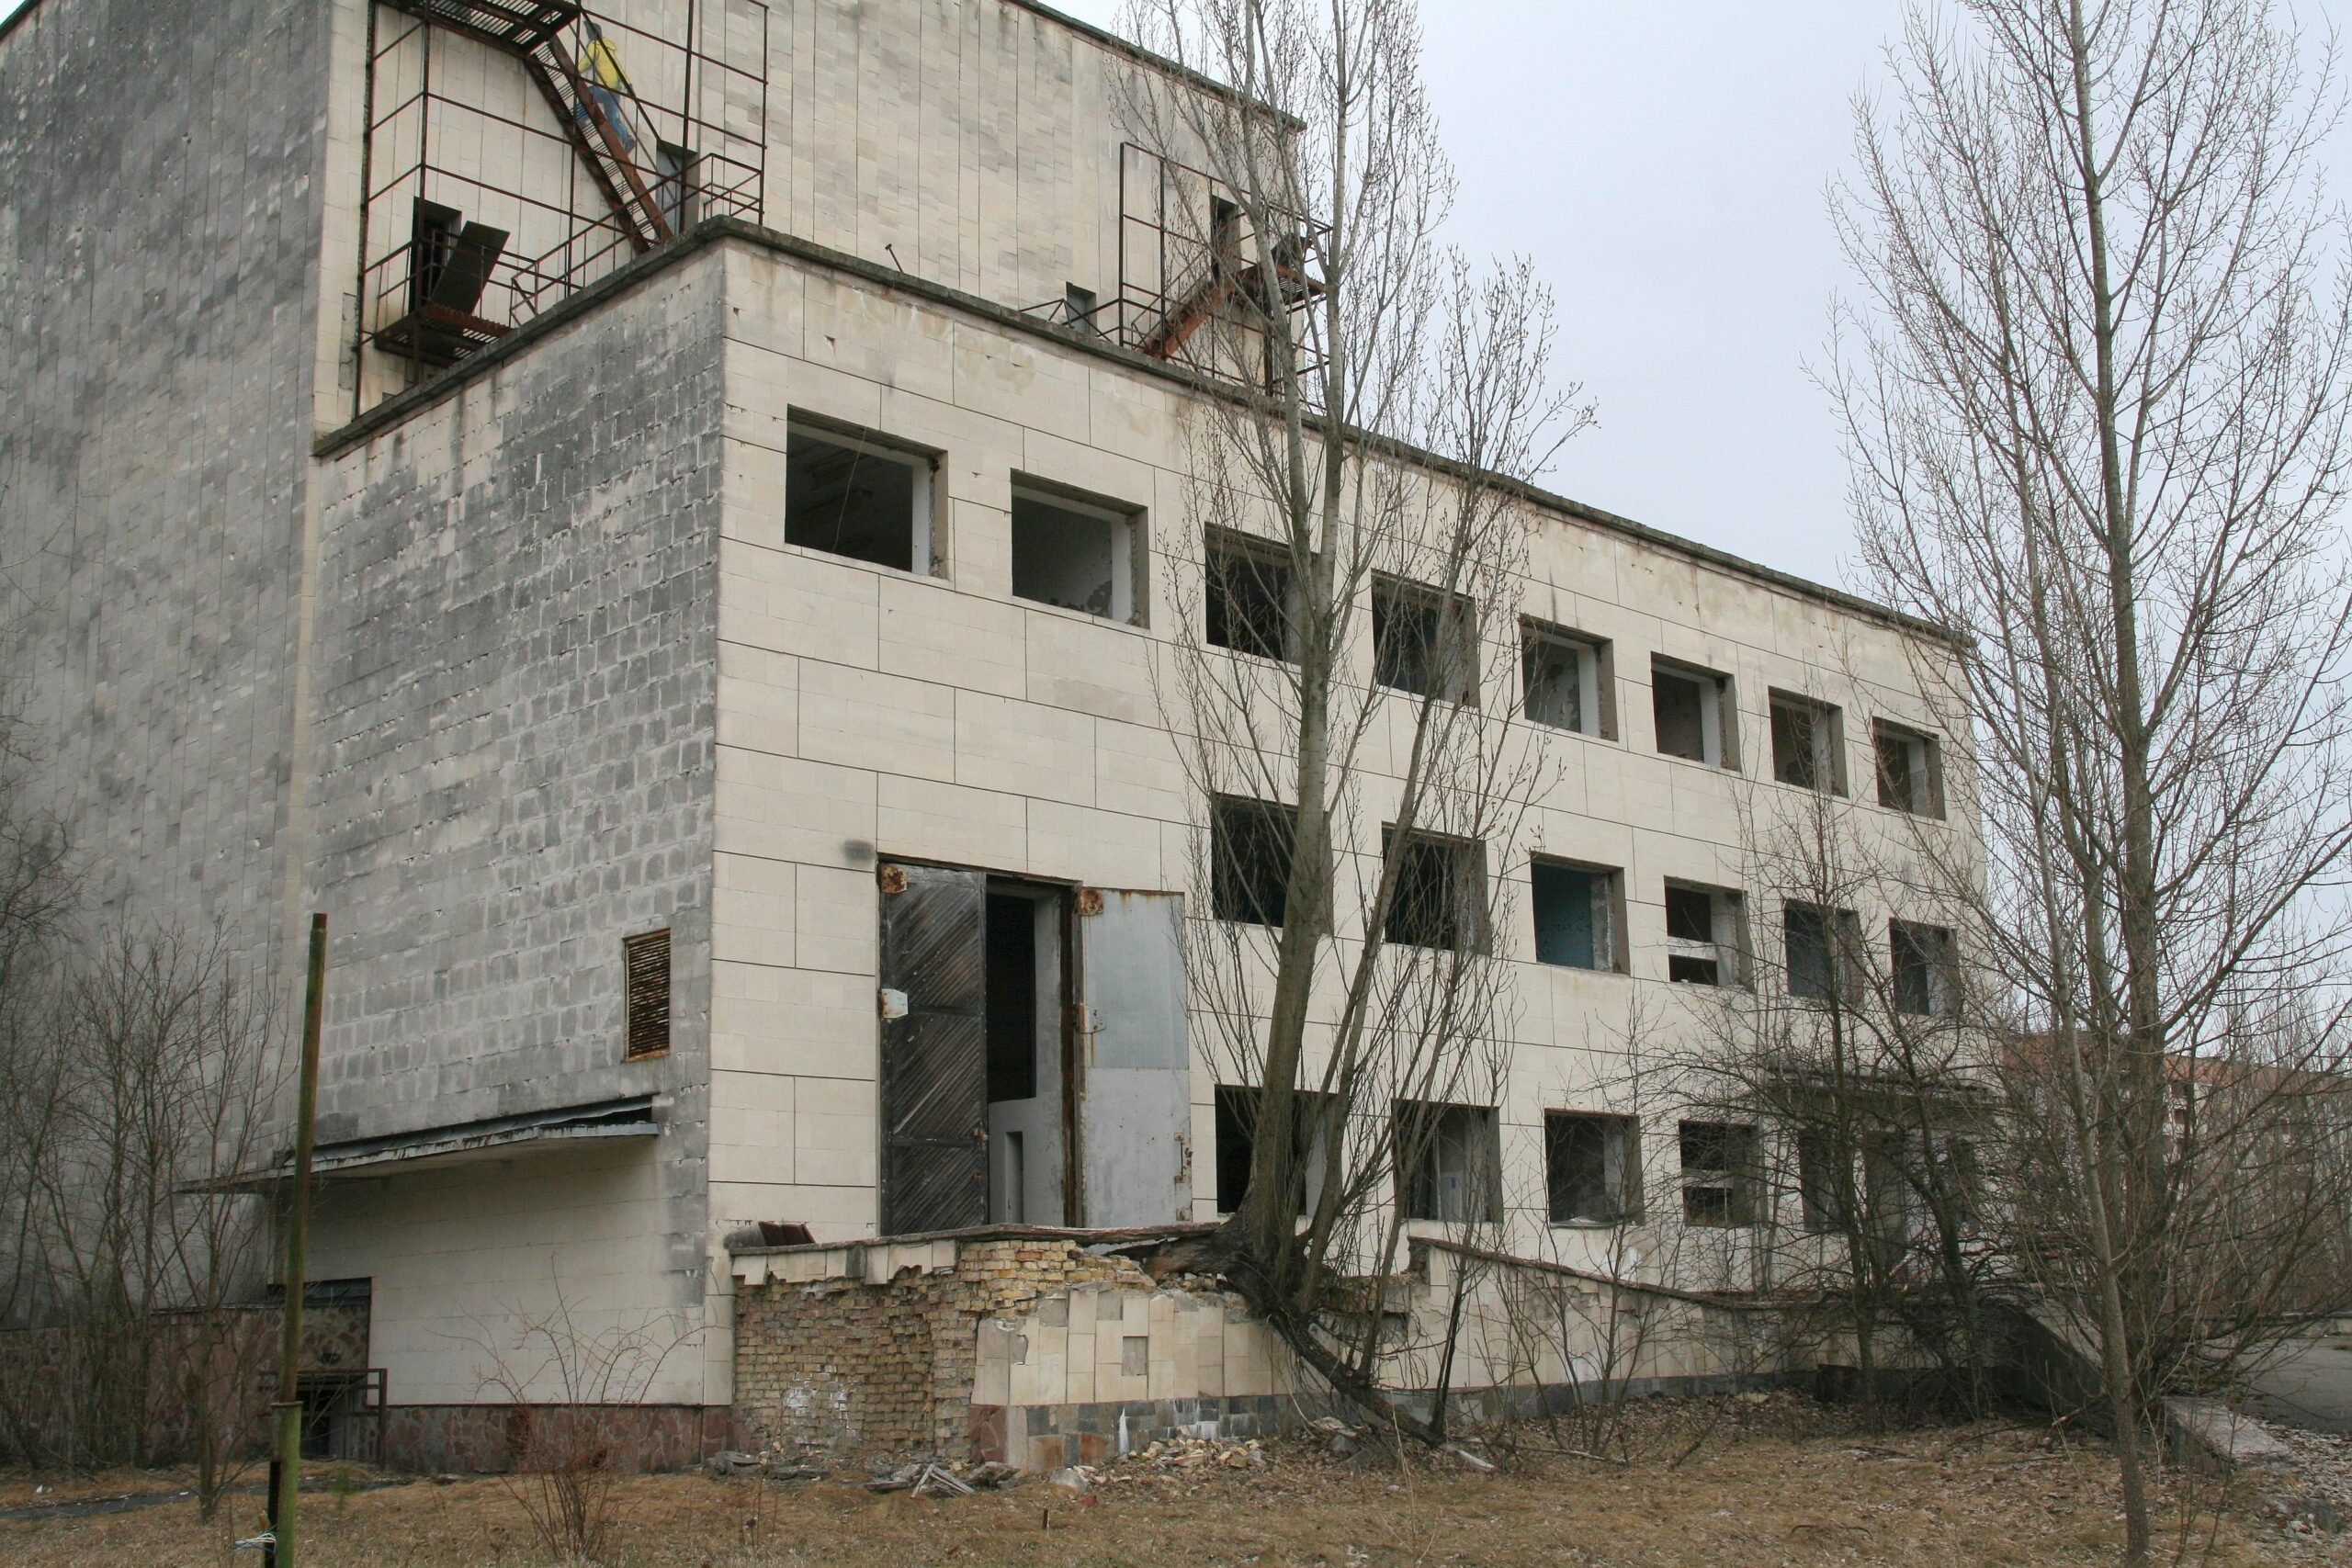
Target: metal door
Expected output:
[934,1050]
[1136,1113]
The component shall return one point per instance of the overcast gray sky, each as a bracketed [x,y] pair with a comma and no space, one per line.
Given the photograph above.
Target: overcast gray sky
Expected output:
[1665,168]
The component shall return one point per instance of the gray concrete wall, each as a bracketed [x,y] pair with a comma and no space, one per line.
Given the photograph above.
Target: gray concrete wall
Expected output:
[516,678]
[158,237]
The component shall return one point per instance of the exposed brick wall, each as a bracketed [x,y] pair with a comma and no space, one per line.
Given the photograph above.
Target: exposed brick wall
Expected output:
[845,1366]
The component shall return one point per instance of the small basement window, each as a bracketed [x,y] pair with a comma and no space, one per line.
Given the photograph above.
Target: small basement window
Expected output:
[1591,1168]
[1078,554]
[1440,895]
[1808,743]
[1719,1172]
[1692,709]
[1565,678]
[1249,600]
[1249,852]
[1449,1161]
[1910,770]
[1577,915]
[1822,948]
[1424,642]
[855,496]
[1702,936]
[1927,980]
[644,964]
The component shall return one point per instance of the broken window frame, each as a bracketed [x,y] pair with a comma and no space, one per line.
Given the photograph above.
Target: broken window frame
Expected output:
[1457,1142]
[925,538]
[1835,977]
[1618,1168]
[1130,550]
[1725,946]
[1821,1187]
[1736,1175]
[1928,953]
[1244,899]
[1463,897]
[1606,888]
[1808,743]
[1445,663]
[1225,555]
[1909,764]
[1718,713]
[1595,705]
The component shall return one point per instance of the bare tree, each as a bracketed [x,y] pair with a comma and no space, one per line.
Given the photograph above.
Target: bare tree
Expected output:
[1367,406]
[2094,396]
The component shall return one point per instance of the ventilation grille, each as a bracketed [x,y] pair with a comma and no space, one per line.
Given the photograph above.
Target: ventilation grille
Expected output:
[646,958]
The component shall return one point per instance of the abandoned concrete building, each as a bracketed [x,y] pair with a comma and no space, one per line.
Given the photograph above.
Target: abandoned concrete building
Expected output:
[659,518]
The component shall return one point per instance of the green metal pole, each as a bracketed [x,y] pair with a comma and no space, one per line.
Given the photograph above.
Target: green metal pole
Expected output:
[286,1477]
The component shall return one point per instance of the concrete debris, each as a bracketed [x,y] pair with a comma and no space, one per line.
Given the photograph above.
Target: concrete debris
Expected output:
[938,1481]
[2209,1433]
[2310,1496]
[1075,1477]
[1463,1457]
[732,1461]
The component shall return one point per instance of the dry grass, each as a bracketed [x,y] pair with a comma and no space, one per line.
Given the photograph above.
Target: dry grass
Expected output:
[1769,1487]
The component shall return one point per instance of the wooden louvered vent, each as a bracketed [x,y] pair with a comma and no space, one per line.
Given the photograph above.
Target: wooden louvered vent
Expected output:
[646,960]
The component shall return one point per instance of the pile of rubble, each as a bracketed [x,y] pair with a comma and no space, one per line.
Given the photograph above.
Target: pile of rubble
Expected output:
[2308,1491]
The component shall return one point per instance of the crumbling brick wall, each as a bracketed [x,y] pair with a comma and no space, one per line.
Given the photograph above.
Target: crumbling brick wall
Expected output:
[845,1366]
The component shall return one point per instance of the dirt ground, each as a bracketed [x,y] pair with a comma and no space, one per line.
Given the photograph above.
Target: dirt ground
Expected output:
[1772,1483]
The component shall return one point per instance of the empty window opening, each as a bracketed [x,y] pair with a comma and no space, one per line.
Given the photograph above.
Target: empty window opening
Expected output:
[1424,642]
[1249,601]
[1567,679]
[1692,709]
[1821,949]
[851,496]
[1823,1178]
[1719,1172]
[1312,1118]
[1808,744]
[1910,770]
[1577,915]
[1250,854]
[1702,945]
[645,961]
[1925,980]
[1449,1161]
[1439,898]
[1078,307]
[1591,1168]
[1079,554]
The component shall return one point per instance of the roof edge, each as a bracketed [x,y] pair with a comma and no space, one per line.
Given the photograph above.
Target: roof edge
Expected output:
[397,409]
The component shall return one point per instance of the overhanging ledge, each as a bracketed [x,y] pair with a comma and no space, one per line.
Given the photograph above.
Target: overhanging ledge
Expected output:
[463,1143]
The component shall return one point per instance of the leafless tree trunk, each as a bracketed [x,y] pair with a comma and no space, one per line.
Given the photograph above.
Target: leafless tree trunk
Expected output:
[2094,396]
[1367,402]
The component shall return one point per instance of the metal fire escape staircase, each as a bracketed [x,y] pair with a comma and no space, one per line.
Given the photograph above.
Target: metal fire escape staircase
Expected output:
[542,35]
[1223,277]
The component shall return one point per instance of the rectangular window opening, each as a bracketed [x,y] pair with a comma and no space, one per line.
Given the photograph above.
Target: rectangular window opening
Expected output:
[1449,1161]
[1577,915]
[851,495]
[1565,677]
[1821,1185]
[1076,554]
[645,962]
[1719,1172]
[1808,743]
[1693,712]
[1591,1168]
[1440,894]
[1702,936]
[1821,948]
[1925,979]
[1249,855]
[1248,596]
[1910,770]
[1312,1115]
[1424,642]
